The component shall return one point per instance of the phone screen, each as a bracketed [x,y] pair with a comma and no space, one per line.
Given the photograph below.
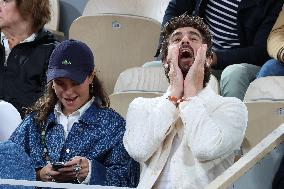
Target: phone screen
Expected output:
[57,165]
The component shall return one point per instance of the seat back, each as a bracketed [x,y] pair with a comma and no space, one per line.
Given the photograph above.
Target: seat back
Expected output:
[256,169]
[120,101]
[266,88]
[148,82]
[144,79]
[265,102]
[117,41]
[263,118]
[53,25]
[55,15]
[149,79]
[10,118]
[154,9]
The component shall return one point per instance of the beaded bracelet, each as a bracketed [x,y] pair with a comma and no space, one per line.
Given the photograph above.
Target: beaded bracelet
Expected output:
[184,99]
[172,99]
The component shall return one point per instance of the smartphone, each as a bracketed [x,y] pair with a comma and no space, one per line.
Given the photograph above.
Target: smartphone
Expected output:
[57,165]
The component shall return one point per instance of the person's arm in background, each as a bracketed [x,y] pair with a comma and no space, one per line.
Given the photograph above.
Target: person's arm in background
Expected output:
[275,41]
[256,53]
[176,8]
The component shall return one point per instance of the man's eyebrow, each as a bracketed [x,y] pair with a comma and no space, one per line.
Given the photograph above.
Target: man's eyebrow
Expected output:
[189,33]
[176,33]
[194,33]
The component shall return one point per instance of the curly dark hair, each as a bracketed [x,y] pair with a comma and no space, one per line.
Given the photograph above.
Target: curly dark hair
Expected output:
[181,21]
[45,104]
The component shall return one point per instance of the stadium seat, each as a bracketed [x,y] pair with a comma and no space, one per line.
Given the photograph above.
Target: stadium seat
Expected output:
[154,9]
[145,82]
[119,101]
[263,118]
[55,15]
[265,103]
[10,119]
[53,25]
[256,169]
[266,88]
[117,41]
[149,79]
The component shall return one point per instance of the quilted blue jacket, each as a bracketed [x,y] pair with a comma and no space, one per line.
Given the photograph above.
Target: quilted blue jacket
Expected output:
[97,136]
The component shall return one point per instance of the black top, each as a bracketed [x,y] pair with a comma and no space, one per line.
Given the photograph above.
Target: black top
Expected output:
[23,80]
[255,21]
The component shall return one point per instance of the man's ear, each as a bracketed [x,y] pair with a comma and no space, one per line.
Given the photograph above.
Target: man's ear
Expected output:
[209,61]
[165,64]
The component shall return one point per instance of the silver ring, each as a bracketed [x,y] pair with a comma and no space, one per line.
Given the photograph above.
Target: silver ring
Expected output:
[52,180]
[77,168]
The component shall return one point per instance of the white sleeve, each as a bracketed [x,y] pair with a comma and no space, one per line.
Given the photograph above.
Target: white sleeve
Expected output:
[213,134]
[88,178]
[147,124]
[10,119]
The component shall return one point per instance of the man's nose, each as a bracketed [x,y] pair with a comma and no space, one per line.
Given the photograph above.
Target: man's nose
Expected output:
[185,40]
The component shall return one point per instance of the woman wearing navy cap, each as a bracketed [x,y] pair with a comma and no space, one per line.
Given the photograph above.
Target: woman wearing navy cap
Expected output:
[70,134]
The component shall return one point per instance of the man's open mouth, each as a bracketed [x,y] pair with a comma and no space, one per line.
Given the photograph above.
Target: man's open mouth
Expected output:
[185,53]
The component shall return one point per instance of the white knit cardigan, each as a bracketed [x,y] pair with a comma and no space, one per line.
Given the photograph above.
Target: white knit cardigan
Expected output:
[211,128]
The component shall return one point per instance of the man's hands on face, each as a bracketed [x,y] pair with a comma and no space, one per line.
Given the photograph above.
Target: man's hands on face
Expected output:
[193,81]
[175,74]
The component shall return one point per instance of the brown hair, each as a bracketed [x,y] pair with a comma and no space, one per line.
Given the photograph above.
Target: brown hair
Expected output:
[44,105]
[39,10]
[181,21]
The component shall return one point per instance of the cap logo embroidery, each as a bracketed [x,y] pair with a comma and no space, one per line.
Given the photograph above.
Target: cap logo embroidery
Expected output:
[66,62]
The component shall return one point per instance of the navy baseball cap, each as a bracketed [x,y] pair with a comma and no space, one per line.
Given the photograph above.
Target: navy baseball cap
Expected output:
[71,59]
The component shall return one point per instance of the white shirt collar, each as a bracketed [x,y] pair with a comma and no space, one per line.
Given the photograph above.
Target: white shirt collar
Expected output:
[29,39]
[68,121]
[79,112]
[4,42]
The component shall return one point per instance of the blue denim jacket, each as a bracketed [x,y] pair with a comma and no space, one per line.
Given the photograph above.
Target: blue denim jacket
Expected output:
[15,164]
[97,136]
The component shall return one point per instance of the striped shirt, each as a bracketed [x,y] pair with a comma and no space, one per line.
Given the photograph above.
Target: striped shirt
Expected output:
[221,16]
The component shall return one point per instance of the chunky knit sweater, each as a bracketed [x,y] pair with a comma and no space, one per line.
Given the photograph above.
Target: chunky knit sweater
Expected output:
[210,127]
